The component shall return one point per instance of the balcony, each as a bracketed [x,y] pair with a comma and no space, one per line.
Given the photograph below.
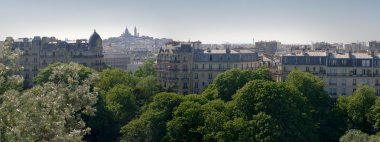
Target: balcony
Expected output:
[333,83]
[173,69]
[174,61]
[172,79]
[185,79]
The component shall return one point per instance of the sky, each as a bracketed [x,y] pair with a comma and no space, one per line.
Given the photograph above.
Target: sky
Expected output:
[210,21]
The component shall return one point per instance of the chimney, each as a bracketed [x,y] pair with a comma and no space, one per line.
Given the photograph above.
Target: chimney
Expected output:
[303,51]
[350,53]
[228,50]
[208,50]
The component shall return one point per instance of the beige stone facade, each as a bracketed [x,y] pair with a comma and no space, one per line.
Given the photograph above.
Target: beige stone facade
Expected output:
[186,68]
[39,52]
[342,73]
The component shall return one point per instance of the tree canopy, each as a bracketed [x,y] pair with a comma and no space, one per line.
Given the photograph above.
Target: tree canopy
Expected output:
[147,69]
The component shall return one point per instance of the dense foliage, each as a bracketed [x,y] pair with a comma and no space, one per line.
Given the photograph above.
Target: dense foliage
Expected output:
[240,105]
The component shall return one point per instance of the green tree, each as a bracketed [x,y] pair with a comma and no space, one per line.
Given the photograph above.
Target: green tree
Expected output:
[116,105]
[51,111]
[44,74]
[236,129]
[357,108]
[311,88]
[358,136]
[374,115]
[121,103]
[146,88]
[227,83]
[153,119]
[9,77]
[184,125]
[113,76]
[147,69]
[283,103]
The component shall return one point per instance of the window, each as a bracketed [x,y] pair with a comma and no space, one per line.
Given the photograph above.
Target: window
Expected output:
[195,84]
[377,63]
[210,66]
[333,62]
[53,54]
[377,92]
[365,63]
[332,91]
[209,75]
[196,66]
[203,66]
[333,71]
[195,75]
[354,82]
[184,68]
[220,66]
[343,81]
[185,86]
[354,72]
[343,91]
[307,69]
[332,81]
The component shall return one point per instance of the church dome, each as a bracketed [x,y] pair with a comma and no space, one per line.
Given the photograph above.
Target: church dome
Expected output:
[94,39]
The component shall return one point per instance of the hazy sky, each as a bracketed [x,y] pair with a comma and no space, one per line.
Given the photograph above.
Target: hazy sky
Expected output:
[211,21]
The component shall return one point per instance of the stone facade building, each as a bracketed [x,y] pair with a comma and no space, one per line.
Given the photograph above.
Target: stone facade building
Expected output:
[341,72]
[186,68]
[117,60]
[39,52]
[267,47]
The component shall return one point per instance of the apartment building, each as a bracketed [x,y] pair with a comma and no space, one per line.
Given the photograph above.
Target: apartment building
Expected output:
[341,72]
[267,47]
[39,52]
[187,68]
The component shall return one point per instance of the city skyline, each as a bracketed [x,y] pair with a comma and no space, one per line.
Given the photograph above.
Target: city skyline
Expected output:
[298,22]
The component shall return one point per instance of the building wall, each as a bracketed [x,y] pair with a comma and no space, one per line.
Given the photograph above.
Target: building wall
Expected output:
[186,68]
[341,73]
[38,53]
[267,47]
[117,60]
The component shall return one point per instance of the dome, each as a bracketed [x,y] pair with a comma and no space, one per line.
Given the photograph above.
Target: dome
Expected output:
[94,39]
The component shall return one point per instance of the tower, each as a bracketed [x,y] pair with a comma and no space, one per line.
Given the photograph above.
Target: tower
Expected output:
[135,34]
[126,32]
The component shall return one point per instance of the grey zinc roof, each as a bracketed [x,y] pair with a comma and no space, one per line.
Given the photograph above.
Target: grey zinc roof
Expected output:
[316,53]
[245,51]
[340,56]
[362,55]
[219,51]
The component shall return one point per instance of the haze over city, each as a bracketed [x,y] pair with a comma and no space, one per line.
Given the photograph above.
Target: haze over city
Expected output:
[238,21]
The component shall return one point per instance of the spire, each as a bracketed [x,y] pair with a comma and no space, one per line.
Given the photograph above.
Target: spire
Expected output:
[135,34]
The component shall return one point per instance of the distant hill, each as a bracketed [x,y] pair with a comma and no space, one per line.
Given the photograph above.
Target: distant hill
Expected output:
[127,41]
